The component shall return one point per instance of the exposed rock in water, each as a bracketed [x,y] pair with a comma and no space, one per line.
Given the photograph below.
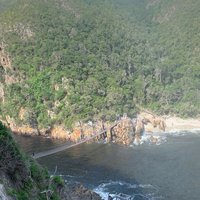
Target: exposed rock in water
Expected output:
[130,130]
[124,132]
[78,192]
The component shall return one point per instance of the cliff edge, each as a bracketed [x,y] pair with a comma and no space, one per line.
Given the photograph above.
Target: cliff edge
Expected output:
[22,178]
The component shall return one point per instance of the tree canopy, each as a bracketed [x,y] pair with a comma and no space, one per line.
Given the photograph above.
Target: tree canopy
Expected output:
[84,59]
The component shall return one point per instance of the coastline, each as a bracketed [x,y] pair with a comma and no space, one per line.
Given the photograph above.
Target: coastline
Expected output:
[175,124]
[170,124]
[179,124]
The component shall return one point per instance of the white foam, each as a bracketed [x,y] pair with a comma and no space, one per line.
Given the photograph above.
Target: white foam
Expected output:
[159,138]
[178,132]
[151,139]
[102,193]
[151,191]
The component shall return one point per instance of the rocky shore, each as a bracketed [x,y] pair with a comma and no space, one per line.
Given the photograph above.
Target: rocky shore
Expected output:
[78,192]
[126,131]
[176,124]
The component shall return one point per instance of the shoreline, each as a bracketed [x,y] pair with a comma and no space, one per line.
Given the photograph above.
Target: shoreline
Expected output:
[179,124]
[172,124]
[176,124]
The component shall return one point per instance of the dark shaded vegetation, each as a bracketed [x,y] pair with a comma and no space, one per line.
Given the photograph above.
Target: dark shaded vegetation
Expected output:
[27,179]
[88,59]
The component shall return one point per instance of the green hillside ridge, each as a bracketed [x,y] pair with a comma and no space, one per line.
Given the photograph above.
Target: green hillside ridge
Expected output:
[82,60]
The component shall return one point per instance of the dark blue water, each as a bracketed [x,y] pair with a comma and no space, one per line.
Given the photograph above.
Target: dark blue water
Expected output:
[168,171]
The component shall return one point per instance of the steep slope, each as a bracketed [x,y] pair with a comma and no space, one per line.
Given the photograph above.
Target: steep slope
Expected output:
[23,178]
[63,61]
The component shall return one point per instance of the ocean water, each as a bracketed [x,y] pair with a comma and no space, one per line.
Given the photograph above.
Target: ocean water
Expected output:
[168,169]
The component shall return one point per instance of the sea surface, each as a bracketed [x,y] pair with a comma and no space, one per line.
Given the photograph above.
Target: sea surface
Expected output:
[168,169]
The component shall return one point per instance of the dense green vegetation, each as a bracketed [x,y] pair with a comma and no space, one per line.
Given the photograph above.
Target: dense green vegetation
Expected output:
[86,59]
[27,180]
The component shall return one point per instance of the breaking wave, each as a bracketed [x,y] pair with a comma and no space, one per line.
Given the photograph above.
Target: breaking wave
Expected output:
[126,191]
[160,137]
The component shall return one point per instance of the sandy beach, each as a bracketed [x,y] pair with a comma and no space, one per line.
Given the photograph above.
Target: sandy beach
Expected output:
[175,124]
[178,124]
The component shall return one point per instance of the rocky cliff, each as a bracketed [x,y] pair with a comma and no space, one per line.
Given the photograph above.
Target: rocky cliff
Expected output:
[125,131]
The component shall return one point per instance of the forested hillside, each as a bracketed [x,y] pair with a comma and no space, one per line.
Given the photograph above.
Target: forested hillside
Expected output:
[69,60]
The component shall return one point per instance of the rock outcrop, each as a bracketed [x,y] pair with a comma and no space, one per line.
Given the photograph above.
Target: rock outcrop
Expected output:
[129,130]
[139,129]
[152,122]
[78,192]
[125,131]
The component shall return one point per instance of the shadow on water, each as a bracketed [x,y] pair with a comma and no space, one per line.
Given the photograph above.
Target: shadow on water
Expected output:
[37,144]
[169,171]
[100,167]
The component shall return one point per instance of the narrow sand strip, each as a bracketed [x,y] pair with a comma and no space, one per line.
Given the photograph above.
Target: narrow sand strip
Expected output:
[175,123]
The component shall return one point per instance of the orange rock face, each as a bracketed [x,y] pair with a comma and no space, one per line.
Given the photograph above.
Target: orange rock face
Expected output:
[152,123]
[75,136]
[59,132]
[124,132]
